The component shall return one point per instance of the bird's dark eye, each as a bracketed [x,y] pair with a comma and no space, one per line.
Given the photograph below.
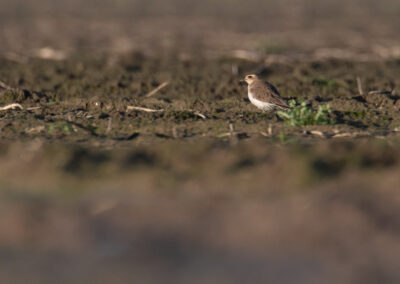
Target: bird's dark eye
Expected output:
[250,77]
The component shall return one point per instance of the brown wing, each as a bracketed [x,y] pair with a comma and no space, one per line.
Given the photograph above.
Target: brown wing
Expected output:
[266,92]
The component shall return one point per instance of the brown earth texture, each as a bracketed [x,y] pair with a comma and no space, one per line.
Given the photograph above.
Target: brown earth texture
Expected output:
[130,153]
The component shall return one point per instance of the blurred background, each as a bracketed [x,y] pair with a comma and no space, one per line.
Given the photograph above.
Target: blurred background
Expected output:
[90,193]
[208,26]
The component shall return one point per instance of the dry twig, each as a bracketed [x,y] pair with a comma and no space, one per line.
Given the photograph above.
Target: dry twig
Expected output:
[359,86]
[234,135]
[231,128]
[268,133]
[270,130]
[174,132]
[199,114]
[316,133]
[109,125]
[143,109]
[231,132]
[5,86]
[379,92]
[156,90]
[33,108]
[11,106]
[36,129]
[351,134]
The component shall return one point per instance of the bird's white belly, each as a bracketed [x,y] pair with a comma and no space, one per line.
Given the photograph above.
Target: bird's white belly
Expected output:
[261,105]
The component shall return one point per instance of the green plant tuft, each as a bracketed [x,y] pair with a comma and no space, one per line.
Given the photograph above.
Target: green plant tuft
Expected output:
[300,114]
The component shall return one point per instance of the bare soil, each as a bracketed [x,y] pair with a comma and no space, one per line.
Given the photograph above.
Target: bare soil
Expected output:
[206,189]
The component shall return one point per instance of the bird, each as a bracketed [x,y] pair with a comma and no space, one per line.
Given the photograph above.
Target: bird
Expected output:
[263,94]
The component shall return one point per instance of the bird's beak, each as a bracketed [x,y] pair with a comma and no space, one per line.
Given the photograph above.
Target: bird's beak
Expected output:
[242,82]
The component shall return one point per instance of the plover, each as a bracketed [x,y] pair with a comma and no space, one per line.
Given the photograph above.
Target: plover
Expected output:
[263,94]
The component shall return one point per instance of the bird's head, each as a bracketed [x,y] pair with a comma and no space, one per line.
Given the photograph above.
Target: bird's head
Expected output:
[250,78]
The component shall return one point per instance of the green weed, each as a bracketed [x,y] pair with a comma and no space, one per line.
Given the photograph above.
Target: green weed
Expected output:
[301,115]
[61,126]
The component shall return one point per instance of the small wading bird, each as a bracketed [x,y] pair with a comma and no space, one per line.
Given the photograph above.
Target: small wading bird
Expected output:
[263,94]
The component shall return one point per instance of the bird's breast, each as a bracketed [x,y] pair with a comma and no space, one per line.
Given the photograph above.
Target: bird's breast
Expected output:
[260,104]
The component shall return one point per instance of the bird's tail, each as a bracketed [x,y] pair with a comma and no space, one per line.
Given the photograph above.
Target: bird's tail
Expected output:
[284,107]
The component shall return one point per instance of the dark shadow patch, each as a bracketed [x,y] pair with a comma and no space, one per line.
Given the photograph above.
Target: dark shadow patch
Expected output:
[84,161]
[139,158]
[132,67]
[246,162]
[327,168]
[160,135]
[104,116]
[242,135]
[357,124]
[322,100]
[360,99]
[127,137]
[350,118]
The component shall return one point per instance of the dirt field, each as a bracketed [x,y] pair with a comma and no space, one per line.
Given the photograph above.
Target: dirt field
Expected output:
[204,189]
